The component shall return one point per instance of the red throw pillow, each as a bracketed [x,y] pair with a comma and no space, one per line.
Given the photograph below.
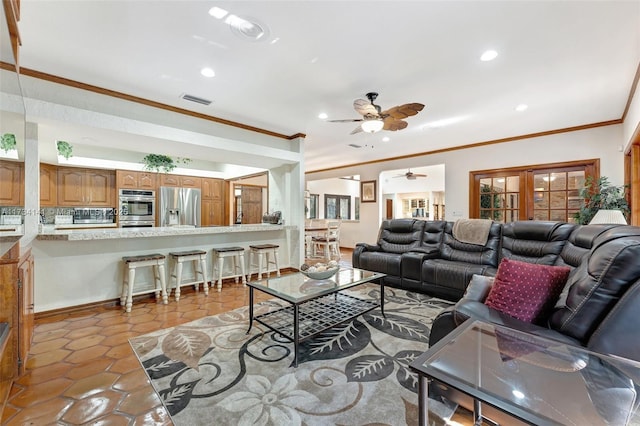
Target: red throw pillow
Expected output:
[527,291]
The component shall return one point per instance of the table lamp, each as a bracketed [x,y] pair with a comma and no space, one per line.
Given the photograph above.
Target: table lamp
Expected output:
[608,216]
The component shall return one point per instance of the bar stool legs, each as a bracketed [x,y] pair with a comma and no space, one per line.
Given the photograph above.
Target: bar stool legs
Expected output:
[156,261]
[263,252]
[198,257]
[236,254]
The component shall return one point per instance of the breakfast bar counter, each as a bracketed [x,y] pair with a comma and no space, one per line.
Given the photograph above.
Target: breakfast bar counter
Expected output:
[75,267]
[92,234]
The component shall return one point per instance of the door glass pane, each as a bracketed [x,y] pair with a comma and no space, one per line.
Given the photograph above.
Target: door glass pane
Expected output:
[559,215]
[558,181]
[541,182]
[498,185]
[513,183]
[541,200]
[540,215]
[575,180]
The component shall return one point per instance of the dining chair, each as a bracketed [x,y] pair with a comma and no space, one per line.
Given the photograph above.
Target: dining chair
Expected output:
[328,240]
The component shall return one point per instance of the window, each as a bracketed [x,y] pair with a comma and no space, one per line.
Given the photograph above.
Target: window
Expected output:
[541,192]
[337,206]
[313,206]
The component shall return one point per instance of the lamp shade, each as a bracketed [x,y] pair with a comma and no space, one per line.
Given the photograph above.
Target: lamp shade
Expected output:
[372,126]
[608,216]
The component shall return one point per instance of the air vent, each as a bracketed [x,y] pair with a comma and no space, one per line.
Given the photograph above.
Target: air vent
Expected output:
[195,99]
[353,145]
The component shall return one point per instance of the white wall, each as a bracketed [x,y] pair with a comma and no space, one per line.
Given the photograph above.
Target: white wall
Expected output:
[601,142]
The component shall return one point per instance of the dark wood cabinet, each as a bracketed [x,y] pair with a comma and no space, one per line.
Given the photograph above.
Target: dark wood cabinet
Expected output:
[136,180]
[17,312]
[180,180]
[212,202]
[48,185]
[78,187]
[11,183]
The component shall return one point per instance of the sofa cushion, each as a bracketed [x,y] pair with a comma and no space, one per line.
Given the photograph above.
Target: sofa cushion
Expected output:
[453,275]
[400,235]
[534,241]
[457,251]
[579,243]
[599,282]
[527,291]
[379,261]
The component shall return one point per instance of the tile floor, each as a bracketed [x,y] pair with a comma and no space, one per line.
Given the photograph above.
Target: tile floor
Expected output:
[82,370]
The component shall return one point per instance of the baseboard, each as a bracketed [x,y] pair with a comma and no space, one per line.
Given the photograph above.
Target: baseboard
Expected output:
[116,302]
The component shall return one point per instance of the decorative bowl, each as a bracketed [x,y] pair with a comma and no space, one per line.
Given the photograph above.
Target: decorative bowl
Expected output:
[321,275]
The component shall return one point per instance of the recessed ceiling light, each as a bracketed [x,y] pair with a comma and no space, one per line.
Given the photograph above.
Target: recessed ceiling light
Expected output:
[386,139]
[218,12]
[522,107]
[489,55]
[208,72]
[323,116]
[275,40]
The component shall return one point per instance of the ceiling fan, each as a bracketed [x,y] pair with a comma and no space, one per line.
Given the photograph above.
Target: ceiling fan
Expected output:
[374,119]
[409,175]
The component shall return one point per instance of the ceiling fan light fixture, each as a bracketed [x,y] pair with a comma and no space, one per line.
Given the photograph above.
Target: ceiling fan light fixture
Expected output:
[372,126]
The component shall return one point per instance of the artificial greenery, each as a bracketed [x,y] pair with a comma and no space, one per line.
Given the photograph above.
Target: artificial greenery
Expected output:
[64,149]
[601,195]
[8,142]
[162,163]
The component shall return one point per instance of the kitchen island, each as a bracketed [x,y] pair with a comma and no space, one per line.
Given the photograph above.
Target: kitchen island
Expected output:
[75,267]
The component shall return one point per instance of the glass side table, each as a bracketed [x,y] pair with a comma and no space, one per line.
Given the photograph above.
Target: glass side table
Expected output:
[528,379]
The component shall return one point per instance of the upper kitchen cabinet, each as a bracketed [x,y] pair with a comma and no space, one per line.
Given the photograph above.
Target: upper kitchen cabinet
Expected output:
[212,189]
[136,180]
[86,187]
[11,183]
[212,202]
[48,185]
[181,181]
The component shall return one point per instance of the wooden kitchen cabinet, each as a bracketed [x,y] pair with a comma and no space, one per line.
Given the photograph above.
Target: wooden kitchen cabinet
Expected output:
[180,180]
[80,187]
[17,311]
[48,185]
[11,183]
[212,202]
[136,180]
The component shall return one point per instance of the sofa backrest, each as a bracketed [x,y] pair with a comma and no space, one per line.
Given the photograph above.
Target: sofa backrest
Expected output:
[606,272]
[580,243]
[400,235]
[433,234]
[487,254]
[535,241]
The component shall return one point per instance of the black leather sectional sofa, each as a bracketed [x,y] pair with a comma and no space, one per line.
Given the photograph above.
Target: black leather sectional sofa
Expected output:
[598,309]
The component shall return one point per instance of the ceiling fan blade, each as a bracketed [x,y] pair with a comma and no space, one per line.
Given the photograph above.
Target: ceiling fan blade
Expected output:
[419,175]
[403,111]
[392,124]
[364,107]
[346,120]
[356,130]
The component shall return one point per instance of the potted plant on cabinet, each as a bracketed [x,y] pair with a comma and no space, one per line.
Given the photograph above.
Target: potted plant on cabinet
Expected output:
[162,163]
[64,149]
[600,194]
[8,142]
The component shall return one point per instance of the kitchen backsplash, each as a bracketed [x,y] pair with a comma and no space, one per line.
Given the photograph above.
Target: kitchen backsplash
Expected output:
[46,213]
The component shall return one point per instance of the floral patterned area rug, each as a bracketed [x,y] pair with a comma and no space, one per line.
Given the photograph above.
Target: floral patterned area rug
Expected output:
[211,372]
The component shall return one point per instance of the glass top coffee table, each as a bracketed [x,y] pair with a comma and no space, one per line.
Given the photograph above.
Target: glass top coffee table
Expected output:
[314,305]
[529,379]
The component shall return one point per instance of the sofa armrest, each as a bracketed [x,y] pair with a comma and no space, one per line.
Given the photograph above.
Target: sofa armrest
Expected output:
[411,262]
[361,248]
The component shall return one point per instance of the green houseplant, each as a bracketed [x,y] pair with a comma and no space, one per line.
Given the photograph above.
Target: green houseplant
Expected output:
[162,163]
[64,149]
[8,142]
[599,194]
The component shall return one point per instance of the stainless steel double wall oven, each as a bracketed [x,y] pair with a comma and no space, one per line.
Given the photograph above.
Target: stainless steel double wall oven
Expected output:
[137,208]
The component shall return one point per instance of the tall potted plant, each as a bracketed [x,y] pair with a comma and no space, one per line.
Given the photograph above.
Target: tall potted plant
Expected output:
[601,195]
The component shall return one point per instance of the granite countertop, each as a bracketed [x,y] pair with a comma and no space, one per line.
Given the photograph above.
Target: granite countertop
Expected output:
[50,233]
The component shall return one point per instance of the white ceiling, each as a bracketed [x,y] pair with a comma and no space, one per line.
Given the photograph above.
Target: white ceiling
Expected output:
[571,62]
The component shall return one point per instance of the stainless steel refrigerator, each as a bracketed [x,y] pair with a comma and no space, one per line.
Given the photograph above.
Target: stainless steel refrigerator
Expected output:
[179,206]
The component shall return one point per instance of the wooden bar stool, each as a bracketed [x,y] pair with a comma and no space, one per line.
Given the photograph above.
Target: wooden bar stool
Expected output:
[263,252]
[131,263]
[236,254]
[195,256]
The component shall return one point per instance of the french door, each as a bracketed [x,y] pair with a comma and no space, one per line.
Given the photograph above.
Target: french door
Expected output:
[540,192]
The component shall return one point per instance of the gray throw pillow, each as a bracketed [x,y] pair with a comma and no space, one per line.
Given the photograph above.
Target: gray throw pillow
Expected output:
[478,288]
